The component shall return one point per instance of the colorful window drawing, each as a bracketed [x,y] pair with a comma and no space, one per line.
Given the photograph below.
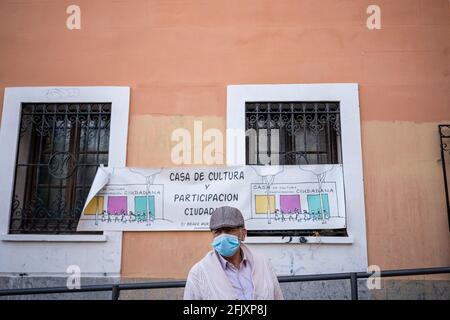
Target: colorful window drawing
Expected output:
[315,207]
[96,205]
[141,207]
[117,204]
[265,204]
[290,203]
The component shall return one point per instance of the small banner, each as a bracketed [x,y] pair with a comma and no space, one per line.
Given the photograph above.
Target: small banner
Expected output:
[270,197]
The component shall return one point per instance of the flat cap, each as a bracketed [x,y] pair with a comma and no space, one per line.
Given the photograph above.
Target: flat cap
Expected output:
[226,217]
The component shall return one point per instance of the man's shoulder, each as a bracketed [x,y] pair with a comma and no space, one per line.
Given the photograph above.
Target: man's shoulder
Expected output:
[198,266]
[253,256]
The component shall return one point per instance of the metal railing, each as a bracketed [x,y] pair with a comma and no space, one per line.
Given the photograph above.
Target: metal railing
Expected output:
[117,288]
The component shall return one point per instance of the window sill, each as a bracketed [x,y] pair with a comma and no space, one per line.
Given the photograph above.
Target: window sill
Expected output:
[296,240]
[53,238]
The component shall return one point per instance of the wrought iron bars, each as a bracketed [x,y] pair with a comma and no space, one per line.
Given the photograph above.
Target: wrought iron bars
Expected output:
[60,147]
[444,135]
[309,132]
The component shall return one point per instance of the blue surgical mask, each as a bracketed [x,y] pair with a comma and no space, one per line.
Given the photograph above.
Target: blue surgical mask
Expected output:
[226,244]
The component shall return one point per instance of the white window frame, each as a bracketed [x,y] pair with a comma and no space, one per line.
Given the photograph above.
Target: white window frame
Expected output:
[347,96]
[103,247]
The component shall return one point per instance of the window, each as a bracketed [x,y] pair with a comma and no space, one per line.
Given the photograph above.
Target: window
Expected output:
[444,134]
[60,146]
[58,109]
[306,132]
[316,124]
[297,133]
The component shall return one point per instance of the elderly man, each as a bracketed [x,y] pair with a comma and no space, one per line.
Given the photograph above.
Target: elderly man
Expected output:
[231,270]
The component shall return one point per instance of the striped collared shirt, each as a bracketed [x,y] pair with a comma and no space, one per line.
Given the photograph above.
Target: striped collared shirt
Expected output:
[240,279]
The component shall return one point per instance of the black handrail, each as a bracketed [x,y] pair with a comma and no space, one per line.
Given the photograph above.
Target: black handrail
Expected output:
[117,288]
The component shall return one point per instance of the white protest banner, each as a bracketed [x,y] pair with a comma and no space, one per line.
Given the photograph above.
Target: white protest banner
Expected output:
[270,197]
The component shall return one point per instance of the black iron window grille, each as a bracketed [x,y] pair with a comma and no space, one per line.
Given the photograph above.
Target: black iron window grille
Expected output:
[307,132]
[444,135]
[293,133]
[60,147]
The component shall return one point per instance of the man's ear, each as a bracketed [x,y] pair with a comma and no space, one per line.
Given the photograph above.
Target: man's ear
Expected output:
[244,234]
